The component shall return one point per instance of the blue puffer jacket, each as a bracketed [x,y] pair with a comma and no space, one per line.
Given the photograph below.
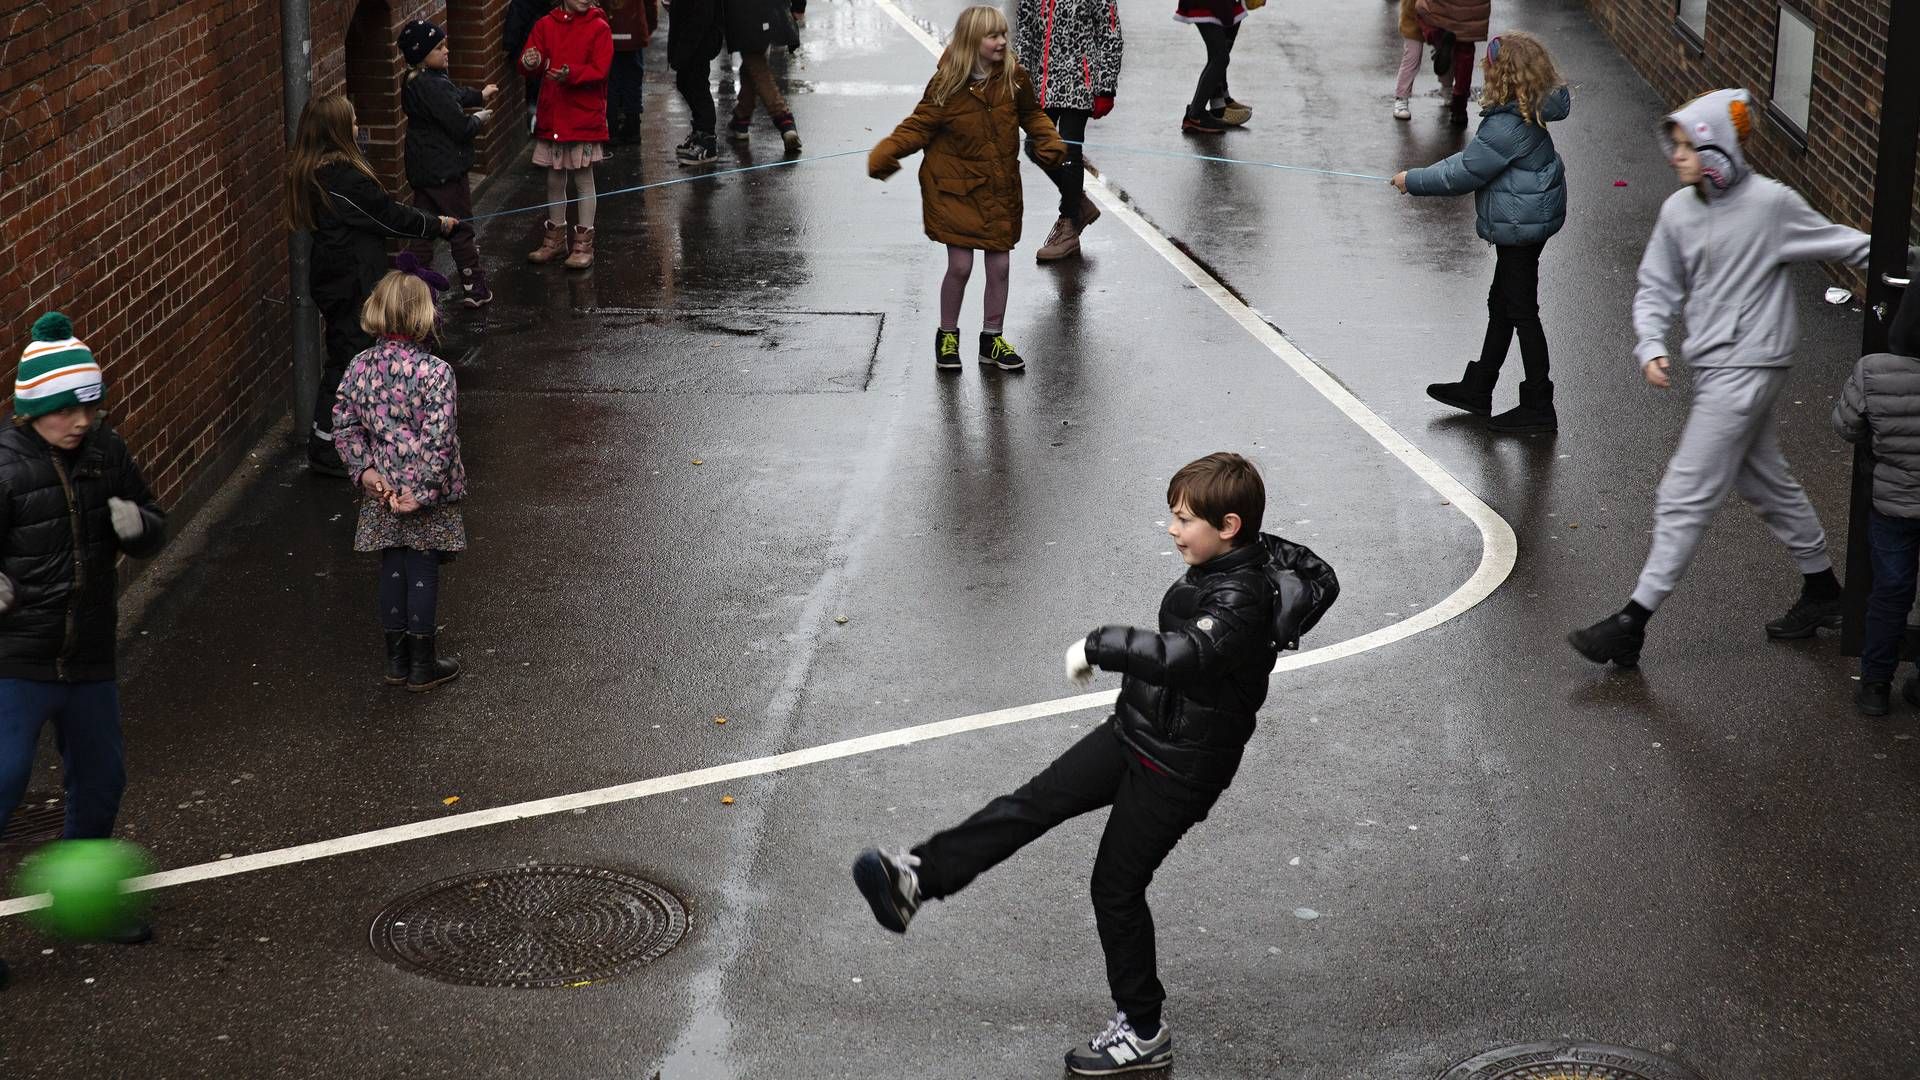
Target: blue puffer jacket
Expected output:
[1518,182]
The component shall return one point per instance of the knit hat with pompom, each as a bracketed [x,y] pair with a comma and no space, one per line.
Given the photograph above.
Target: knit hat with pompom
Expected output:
[57,370]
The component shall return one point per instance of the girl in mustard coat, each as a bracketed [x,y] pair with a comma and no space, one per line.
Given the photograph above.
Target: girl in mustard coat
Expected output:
[969,125]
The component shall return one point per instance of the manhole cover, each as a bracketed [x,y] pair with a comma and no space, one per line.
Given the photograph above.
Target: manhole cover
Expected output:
[530,926]
[40,818]
[1569,1061]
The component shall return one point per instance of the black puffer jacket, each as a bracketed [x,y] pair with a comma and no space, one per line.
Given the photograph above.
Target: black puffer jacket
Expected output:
[440,131]
[757,25]
[696,30]
[53,507]
[1190,691]
[351,228]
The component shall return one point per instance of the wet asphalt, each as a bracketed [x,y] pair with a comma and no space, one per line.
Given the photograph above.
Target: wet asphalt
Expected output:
[692,462]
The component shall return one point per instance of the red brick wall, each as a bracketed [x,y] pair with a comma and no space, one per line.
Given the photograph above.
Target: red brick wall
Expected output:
[142,151]
[1835,170]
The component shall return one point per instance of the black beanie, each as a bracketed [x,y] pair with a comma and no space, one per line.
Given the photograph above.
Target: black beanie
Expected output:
[419,38]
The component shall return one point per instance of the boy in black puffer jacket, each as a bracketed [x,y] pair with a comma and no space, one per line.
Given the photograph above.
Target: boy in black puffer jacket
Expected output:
[71,503]
[440,135]
[1188,699]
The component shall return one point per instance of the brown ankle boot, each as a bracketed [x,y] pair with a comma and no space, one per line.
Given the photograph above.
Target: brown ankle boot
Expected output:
[582,256]
[553,244]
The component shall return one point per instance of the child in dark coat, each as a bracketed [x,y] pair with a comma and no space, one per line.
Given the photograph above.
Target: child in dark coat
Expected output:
[440,135]
[1881,402]
[1188,698]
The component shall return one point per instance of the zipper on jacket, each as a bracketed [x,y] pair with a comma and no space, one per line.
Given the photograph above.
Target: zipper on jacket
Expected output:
[79,566]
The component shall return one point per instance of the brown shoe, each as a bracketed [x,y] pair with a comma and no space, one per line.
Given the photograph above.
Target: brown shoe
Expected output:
[582,256]
[1089,212]
[1063,241]
[1233,114]
[553,244]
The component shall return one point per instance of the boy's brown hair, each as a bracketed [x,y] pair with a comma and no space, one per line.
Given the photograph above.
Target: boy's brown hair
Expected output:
[1220,484]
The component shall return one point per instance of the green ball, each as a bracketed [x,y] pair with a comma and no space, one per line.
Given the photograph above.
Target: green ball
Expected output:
[87,880]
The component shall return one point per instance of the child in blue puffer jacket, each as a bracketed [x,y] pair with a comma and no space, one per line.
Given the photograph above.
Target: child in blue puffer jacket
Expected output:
[1519,187]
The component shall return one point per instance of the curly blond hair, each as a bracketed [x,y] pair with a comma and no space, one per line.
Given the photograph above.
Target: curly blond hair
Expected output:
[1521,74]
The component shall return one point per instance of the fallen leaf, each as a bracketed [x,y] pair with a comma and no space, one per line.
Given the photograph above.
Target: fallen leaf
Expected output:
[841,619]
[697,461]
[449,800]
[719,719]
[726,800]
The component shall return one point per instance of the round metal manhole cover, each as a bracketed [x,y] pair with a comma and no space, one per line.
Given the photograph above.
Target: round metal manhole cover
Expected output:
[530,926]
[1569,1061]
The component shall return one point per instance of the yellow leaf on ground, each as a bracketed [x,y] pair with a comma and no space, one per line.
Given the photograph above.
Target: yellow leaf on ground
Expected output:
[726,800]
[449,800]
[719,719]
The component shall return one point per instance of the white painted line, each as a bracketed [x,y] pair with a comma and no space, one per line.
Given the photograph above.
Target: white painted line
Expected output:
[1498,550]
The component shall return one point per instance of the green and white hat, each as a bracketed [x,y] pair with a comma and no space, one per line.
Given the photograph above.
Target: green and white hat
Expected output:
[56,371]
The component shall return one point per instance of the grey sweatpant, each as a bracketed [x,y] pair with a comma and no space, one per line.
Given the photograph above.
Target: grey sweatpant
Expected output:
[1730,443]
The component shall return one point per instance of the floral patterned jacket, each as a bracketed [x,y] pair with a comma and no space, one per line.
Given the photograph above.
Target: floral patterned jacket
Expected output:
[396,415]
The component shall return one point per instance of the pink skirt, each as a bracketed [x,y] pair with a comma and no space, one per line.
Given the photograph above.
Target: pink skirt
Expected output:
[567,155]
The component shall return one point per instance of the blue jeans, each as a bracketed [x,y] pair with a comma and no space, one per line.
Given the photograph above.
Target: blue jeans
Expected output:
[1895,543]
[86,728]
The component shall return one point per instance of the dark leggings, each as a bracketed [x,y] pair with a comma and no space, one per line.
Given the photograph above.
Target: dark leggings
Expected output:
[1213,78]
[695,88]
[1513,307]
[1070,178]
[345,340]
[409,589]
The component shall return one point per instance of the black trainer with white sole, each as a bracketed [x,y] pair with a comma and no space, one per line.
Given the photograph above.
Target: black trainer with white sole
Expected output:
[1120,1049]
[997,351]
[890,882]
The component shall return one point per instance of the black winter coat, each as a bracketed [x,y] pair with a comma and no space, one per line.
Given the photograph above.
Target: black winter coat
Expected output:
[696,30]
[58,547]
[757,25]
[440,131]
[350,236]
[1190,692]
[517,27]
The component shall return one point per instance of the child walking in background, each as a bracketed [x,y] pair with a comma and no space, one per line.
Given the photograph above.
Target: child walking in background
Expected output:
[1189,695]
[969,125]
[1519,190]
[1213,110]
[331,191]
[1410,52]
[631,22]
[571,49]
[440,134]
[1074,46]
[753,27]
[1720,249]
[395,424]
[1881,401]
[1452,27]
[695,35]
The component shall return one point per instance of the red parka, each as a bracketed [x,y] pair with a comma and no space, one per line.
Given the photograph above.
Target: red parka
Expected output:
[574,110]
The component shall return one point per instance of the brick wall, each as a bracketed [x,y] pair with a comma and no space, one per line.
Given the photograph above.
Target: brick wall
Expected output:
[142,151]
[1835,169]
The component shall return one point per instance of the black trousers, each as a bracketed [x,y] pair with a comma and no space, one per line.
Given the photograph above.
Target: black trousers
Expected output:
[1151,811]
[1070,178]
[1213,78]
[454,200]
[345,340]
[1513,307]
[698,92]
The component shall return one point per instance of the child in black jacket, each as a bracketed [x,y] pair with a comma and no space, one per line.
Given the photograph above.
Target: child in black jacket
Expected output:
[1188,699]
[440,134]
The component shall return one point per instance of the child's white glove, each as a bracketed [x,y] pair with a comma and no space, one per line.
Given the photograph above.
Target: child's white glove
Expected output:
[127,522]
[483,115]
[1079,672]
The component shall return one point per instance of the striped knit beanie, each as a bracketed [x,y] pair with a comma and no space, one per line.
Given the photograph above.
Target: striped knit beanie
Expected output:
[56,371]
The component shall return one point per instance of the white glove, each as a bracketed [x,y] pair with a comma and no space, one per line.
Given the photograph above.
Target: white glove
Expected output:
[6,594]
[1079,672]
[127,522]
[483,115]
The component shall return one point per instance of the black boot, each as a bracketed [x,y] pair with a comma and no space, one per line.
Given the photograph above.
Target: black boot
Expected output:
[1533,416]
[1617,638]
[396,657]
[425,670]
[1473,393]
[1874,698]
[1457,111]
[323,459]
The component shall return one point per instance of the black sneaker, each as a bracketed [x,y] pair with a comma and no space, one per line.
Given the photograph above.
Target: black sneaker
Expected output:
[1874,698]
[699,149]
[998,351]
[946,350]
[739,130]
[1805,618]
[891,884]
[1614,638]
[1120,1049]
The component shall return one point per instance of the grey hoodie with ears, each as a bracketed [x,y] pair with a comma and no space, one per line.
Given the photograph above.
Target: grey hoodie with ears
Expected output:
[1720,249]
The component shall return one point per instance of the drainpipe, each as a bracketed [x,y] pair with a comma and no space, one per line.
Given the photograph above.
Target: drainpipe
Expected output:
[296,57]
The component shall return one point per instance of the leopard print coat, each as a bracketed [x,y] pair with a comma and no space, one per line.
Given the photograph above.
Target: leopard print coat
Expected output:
[1072,48]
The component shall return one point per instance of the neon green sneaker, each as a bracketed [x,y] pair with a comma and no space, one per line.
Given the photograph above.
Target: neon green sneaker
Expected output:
[998,351]
[946,350]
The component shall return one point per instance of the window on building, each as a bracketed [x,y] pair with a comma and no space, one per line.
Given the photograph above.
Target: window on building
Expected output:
[1691,18]
[1793,70]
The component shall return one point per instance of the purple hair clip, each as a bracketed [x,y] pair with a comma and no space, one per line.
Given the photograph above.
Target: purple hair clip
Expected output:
[408,263]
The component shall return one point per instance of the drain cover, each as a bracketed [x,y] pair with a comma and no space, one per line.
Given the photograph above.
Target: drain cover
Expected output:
[1569,1061]
[41,817]
[530,926]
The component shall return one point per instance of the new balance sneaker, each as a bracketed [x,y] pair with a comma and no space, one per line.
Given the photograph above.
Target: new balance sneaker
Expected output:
[946,350]
[890,880]
[998,351]
[1805,618]
[1120,1049]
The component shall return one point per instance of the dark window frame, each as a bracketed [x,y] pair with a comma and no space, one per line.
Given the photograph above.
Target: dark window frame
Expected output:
[1694,39]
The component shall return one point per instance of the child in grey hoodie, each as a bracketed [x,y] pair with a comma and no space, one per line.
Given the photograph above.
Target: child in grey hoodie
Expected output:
[1720,249]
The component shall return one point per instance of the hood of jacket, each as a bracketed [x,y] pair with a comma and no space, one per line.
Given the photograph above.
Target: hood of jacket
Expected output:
[1304,587]
[1555,107]
[1715,123]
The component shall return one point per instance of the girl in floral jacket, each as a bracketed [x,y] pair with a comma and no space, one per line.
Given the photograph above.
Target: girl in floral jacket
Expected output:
[394,424]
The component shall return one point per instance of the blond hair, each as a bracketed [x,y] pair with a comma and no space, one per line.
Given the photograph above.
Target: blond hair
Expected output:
[955,70]
[1522,75]
[324,136]
[401,305]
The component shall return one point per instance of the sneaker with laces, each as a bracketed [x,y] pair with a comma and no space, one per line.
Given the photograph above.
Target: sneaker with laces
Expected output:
[1614,638]
[739,129]
[890,881]
[1120,1049]
[1232,113]
[946,350]
[1805,618]
[1402,109]
[789,131]
[1201,124]
[998,351]
[699,149]
[1063,241]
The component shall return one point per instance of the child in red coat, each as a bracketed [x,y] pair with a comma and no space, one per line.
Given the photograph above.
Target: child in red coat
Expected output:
[571,49]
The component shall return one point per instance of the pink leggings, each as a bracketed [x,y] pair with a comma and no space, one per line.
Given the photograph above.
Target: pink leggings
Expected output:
[1410,54]
[954,286]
